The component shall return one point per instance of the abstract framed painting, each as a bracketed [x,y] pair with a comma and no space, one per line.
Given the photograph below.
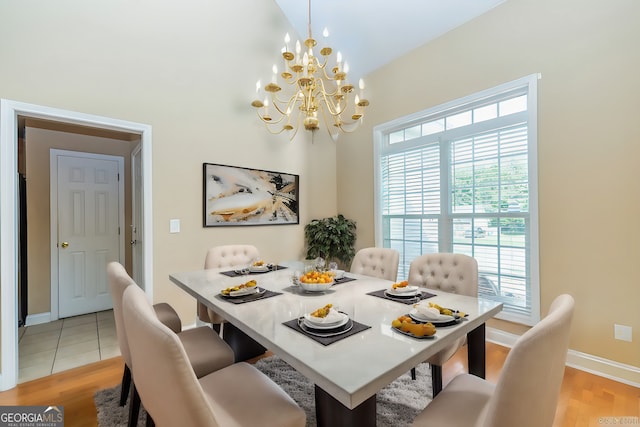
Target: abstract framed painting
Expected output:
[235,196]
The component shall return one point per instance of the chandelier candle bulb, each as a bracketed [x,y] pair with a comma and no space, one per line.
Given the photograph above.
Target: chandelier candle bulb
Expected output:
[266,109]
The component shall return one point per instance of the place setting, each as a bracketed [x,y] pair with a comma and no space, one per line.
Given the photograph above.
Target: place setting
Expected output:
[254,267]
[424,317]
[407,325]
[326,325]
[402,292]
[435,314]
[245,292]
[339,276]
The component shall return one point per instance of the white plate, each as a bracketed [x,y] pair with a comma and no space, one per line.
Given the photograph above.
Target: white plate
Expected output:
[259,268]
[244,291]
[404,297]
[415,314]
[324,334]
[405,289]
[311,323]
[406,292]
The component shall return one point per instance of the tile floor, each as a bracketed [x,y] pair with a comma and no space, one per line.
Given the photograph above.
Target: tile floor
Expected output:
[66,343]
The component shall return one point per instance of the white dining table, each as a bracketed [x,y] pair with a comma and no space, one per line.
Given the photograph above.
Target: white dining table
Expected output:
[348,373]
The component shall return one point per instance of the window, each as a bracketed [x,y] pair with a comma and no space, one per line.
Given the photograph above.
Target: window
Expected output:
[462,178]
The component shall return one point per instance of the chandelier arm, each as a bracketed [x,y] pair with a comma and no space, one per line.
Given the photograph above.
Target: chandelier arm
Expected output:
[277,107]
[272,121]
[325,74]
[295,132]
[324,89]
[348,130]
[272,132]
[330,106]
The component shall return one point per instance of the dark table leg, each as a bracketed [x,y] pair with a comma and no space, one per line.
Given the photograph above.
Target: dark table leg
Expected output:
[331,413]
[477,351]
[244,347]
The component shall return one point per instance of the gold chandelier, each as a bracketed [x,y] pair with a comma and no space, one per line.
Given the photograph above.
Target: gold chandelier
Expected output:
[319,92]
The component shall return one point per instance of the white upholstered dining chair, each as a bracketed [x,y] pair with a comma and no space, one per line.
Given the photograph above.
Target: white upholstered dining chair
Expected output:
[222,257]
[376,262]
[237,395]
[527,391]
[448,272]
[206,351]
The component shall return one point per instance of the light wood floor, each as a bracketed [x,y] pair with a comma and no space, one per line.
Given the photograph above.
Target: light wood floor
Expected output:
[586,400]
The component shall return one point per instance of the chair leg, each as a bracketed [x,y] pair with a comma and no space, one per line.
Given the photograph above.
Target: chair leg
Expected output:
[413,374]
[126,384]
[216,327]
[134,407]
[436,379]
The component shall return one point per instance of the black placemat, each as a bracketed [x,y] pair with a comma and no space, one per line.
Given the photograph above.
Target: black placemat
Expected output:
[357,327]
[381,294]
[248,298]
[236,273]
[343,279]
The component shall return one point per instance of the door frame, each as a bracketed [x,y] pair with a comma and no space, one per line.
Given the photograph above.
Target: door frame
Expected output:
[9,113]
[136,204]
[53,216]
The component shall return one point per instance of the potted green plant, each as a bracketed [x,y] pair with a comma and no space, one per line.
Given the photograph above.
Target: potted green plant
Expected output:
[332,239]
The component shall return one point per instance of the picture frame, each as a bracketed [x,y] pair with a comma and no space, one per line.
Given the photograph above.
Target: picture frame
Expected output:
[239,196]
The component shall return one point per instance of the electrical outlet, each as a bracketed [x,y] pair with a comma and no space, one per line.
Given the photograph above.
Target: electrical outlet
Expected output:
[622,332]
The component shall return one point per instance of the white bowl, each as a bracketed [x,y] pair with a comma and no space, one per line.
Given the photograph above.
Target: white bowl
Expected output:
[315,287]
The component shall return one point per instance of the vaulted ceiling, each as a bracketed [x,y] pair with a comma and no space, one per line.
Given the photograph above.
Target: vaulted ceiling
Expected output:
[371,33]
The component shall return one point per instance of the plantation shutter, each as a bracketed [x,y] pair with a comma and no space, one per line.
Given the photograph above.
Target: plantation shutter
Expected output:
[461,178]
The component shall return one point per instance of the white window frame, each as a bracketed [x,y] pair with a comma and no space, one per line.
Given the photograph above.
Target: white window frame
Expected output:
[380,136]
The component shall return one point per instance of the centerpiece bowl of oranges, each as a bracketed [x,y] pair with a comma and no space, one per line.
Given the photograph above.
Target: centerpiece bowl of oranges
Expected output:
[316,281]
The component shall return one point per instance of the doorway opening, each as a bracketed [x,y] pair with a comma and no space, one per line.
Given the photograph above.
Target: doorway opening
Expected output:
[12,114]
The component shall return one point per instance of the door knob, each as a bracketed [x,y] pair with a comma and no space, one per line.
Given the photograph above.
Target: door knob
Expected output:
[64,244]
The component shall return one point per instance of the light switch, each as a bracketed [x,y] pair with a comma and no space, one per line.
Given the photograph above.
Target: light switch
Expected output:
[622,332]
[174,226]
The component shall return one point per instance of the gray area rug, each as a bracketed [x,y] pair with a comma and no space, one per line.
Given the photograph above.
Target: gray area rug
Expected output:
[398,403]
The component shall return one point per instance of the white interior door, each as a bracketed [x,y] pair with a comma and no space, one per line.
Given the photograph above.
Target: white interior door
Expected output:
[88,229]
[137,231]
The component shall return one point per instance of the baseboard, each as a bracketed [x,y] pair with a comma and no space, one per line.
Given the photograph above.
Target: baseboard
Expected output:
[616,371]
[36,319]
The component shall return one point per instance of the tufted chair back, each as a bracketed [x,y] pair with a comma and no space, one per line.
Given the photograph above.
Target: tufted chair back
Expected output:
[376,262]
[230,255]
[221,257]
[529,385]
[527,391]
[453,273]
